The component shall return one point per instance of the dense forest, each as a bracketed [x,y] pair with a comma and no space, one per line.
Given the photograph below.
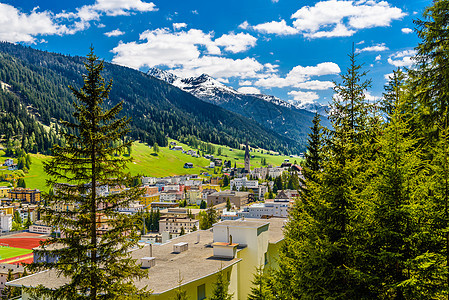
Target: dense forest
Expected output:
[372,221]
[39,90]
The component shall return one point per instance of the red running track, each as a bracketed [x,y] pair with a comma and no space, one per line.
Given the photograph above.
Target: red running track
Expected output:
[24,243]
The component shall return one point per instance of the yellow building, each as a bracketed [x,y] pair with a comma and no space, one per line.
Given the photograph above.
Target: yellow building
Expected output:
[211,187]
[238,247]
[4,191]
[6,210]
[25,195]
[145,200]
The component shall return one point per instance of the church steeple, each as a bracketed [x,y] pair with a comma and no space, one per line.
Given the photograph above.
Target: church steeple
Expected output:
[247,159]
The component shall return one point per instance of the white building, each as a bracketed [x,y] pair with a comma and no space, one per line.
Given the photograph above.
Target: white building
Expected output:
[5,222]
[240,183]
[39,227]
[170,196]
[268,209]
[235,248]
[174,225]
[275,172]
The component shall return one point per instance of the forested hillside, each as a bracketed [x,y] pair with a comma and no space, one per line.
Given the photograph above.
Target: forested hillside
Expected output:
[39,83]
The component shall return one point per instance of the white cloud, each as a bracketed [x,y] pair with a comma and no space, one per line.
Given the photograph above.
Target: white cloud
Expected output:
[339,30]
[315,85]
[122,7]
[388,76]
[406,30]
[177,26]
[304,97]
[402,58]
[275,1]
[371,98]
[374,48]
[195,12]
[299,75]
[115,32]
[248,90]
[279,28]
[244,25]
[16,26]
[342,18]
[245,82]
[188,53]
[379,57]
[236,42]
[360,43]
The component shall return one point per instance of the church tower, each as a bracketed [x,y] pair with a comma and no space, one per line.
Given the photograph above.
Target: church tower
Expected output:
[247,157]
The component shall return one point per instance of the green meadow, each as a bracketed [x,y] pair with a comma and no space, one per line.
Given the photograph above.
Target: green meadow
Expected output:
[164,163]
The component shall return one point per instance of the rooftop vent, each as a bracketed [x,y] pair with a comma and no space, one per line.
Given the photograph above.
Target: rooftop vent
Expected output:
[180,247]
[148,262]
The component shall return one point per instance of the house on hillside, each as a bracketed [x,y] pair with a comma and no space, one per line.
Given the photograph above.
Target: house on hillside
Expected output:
[177,148]
[188,165]
[8,162]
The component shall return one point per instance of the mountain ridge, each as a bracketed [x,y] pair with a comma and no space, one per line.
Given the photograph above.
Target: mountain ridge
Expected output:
[269,111]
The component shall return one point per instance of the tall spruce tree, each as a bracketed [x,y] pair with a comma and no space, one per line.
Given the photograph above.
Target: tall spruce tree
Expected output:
[318,260]
[93,266]
[430,79]
[395,194]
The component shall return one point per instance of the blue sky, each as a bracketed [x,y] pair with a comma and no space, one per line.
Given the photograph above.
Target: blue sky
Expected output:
[290,49]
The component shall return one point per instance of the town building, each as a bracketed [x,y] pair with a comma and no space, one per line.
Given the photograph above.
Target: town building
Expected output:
[6,222]
[235,248]
[8,162]
[4,192]
[240,183]
[16,271]
[265,210]
[174,224]
[25,195]
[40,227]
[237,199]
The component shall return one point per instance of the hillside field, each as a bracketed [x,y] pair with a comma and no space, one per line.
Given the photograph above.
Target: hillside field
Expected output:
[145,162]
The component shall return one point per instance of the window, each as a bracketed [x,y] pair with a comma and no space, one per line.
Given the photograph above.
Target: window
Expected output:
[201,291]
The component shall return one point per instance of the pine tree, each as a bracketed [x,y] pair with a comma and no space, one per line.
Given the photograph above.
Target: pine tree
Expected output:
[28,222]
[96,266]
[228,204]
[221,286]
[182,232]
[317,259]
[261,289]
[395,193]
[430,80]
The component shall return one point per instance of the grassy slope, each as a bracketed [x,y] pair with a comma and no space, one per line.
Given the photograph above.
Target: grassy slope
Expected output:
[166,163]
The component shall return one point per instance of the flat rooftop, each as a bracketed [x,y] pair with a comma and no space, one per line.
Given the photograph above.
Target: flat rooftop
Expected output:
[195,263]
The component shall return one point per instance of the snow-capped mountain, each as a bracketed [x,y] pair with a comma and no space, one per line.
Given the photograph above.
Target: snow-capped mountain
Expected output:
[315,107]
[269,111]
[209,89]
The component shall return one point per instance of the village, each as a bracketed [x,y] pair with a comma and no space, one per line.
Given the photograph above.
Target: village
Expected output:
[172,208]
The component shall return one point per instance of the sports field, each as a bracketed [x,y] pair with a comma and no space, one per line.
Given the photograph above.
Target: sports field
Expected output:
[8,252]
